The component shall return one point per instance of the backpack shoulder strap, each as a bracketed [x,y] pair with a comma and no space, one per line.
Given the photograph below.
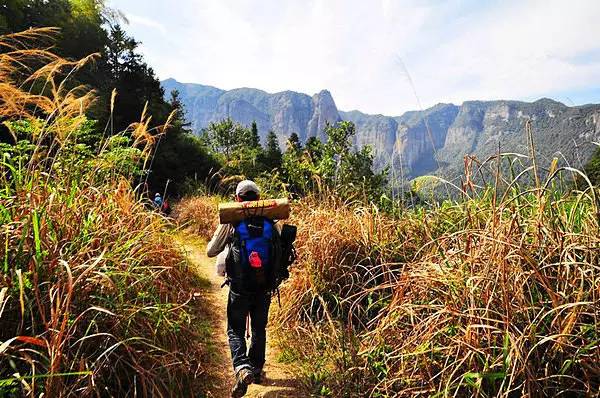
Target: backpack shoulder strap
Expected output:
[268,227]
[242,230]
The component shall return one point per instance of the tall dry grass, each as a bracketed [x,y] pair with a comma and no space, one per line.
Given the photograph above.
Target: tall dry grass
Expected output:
[94,296]
[496,296]
[198,215]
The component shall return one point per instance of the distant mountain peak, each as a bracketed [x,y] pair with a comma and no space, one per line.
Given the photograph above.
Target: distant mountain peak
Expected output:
[546,100]
[324,93]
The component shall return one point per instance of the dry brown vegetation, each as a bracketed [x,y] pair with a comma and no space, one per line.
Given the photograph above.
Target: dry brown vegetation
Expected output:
[198,215]
[495,296]
[498,295]
[94,296]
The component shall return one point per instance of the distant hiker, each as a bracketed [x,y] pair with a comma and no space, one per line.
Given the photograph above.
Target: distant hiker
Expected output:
[165,208]
[158,201]
[250,254]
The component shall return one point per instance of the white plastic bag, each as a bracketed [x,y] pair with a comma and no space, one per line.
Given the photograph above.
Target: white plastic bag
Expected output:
[220,261]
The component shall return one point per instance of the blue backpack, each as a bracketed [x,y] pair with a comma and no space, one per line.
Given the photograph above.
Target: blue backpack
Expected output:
[254,256]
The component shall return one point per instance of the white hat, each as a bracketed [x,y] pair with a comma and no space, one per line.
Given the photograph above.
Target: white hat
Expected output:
[246,186]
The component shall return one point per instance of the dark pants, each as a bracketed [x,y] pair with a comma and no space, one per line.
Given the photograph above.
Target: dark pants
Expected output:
[239,306]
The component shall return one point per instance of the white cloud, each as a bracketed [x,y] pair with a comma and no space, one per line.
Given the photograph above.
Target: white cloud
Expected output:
[454,51]
[146,22]
[515,51]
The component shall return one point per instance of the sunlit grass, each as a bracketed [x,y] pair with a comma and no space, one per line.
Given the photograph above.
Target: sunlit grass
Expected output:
[493,296]
[198,215]
[95,298]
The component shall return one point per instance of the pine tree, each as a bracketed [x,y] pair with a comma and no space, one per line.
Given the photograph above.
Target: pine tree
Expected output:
[273,155]
[254,138]
[294,144]
[178,120]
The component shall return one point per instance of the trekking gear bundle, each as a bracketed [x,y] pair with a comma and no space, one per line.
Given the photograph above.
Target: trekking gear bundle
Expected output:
[274,209]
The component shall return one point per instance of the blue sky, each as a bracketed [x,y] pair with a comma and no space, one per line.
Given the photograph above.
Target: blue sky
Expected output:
[378,56]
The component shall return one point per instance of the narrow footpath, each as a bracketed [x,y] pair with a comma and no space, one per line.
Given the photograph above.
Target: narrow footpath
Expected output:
[279,380]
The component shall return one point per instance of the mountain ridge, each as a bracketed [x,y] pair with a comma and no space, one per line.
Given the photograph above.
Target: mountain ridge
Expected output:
[170,80]
[432,140]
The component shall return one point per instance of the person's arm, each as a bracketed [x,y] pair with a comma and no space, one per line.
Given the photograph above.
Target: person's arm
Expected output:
[219,240]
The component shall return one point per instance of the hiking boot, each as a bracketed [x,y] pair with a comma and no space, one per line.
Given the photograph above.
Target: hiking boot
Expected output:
[243,378]
[258,376]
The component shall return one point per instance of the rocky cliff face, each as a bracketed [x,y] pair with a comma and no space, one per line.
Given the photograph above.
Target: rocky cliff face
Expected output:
[324,111]
[285,112]
[291,112]
[378,131]
[434,140]
[484,128]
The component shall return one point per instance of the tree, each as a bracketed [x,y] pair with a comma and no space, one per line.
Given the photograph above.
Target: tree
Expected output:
[293,143]
[296,172]
[333,164]
[11,15]
[592,170]
[136,85]
[179,118]
[272,154]
[314,149]
[336,148]
[87,27]
[224,137]
[119,52]
[349,172]
[180,156]
[80,22]
[254,138]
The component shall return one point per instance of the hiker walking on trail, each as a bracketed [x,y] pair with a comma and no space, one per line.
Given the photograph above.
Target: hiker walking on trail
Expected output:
[158,201]
[250,254]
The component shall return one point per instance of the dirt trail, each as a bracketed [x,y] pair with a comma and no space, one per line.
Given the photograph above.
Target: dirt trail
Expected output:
[279,381]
